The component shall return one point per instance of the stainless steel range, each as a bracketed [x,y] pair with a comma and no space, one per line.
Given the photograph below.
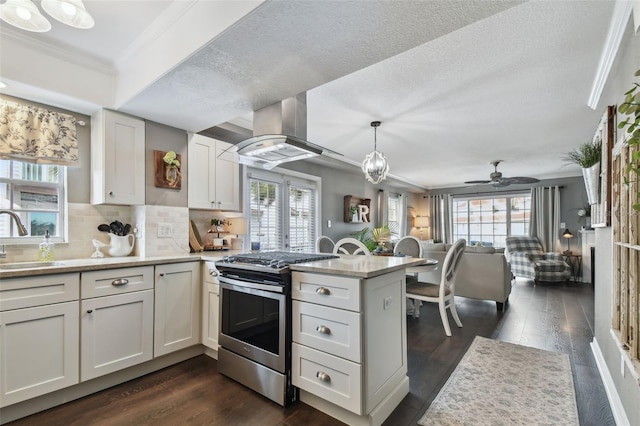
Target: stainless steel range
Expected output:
[255,321]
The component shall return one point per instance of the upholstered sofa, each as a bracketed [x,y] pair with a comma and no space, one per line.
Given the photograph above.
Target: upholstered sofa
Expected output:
[483,273]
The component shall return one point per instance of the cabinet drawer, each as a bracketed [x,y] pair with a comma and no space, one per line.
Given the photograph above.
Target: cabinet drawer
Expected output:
[329,290]
[331,330]
[16,293]
[328,377]
[116,281]
[209,272]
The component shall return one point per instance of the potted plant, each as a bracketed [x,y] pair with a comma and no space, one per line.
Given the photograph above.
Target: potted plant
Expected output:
[631,108]
[587,156]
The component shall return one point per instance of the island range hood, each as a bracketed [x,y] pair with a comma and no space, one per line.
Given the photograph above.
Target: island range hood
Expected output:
[279,135]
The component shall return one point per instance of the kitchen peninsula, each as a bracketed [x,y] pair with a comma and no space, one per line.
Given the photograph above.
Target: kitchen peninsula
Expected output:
[352,366]
[349,350]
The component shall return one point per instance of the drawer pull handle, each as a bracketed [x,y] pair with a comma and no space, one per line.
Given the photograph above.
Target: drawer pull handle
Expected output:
[323,376]
[323,329]
[213,272]
[323,290]
[119,282]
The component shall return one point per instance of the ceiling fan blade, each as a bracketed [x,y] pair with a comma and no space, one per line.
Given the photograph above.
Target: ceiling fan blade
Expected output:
[520,180]
[501,183]
[477,181]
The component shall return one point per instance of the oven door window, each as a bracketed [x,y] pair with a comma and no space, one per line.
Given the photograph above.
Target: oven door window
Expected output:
[253,319]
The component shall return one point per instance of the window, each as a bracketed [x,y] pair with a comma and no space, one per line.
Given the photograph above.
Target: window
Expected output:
[36,192]
[396,215]
[283,212]
[489,221]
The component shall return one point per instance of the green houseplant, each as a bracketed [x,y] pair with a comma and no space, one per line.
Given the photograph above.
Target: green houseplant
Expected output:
[587,156]
[631,124]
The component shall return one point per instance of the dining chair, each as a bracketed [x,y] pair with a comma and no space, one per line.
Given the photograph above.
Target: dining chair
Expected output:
[324,244]
[444,293]
[350,246]
[409,246]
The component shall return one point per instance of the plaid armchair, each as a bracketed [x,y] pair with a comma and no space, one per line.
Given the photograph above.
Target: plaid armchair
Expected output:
[528,260]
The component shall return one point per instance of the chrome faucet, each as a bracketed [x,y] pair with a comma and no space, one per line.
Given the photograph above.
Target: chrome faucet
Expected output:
[22,230]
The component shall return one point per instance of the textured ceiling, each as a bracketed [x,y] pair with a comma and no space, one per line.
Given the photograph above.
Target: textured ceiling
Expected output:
[456,84]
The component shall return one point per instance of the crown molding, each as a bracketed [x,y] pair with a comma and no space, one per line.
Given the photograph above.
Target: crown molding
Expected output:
[76,57]
[621,14]
[172,14]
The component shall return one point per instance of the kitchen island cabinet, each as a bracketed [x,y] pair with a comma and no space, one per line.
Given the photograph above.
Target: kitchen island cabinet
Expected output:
[349,350]
[39,337]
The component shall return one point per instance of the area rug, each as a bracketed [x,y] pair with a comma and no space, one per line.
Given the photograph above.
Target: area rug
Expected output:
[500,383]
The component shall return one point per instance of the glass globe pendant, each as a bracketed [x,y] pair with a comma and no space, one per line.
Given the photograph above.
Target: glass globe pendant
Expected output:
[375,166]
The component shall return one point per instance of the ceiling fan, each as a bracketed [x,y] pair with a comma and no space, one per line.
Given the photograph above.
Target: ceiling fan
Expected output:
[497,180]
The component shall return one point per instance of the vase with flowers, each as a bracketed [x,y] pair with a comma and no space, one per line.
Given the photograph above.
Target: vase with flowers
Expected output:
[172,167]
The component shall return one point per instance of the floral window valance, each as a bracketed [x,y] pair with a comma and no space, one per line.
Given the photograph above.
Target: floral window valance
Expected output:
[36,135]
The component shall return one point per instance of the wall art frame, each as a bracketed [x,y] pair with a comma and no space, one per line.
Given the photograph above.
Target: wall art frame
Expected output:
[165,175]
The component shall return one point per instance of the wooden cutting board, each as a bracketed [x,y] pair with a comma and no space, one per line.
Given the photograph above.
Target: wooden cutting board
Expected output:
[195,242]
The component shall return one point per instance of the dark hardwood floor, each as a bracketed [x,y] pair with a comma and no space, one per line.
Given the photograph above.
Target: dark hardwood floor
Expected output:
[550,316]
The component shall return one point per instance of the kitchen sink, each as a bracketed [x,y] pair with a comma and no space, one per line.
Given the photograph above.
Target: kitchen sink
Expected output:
[29,265]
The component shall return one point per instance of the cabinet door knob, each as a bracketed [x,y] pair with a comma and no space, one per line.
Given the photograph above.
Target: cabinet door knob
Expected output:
[90,311]
[213,272]
[162,274]
[323,376]
[323,329]
[119,282]
[111,193]
[323,290]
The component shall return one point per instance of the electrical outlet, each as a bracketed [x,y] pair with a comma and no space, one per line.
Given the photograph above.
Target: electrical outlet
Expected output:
[328,224]
[387,302]
[165,230]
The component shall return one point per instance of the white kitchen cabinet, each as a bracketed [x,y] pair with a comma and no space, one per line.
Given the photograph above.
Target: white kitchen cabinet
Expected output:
[117,159]
[210,306]
[214,177]
[116,320]
[39,337]
[349,343]
[177,307]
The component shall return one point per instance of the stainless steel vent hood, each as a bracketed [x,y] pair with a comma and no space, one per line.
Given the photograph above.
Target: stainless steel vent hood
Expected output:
[279,135]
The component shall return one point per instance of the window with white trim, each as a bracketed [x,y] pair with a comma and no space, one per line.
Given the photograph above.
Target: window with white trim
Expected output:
[36,192]
[396,215]
[490,220]
[282,211]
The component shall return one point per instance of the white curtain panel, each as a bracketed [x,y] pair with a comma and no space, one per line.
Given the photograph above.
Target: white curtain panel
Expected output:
[36,135]
[440,217]
[545,217]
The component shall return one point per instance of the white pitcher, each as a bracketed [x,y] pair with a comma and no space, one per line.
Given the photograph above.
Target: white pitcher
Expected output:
[121,245]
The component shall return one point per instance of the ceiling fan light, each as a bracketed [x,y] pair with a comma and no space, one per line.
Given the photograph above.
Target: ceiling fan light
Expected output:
[70,12]
[24,15]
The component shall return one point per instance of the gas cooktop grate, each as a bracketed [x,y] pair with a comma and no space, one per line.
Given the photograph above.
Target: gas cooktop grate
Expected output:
[281,257]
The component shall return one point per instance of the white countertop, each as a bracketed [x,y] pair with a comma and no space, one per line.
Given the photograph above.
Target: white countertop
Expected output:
[347,265]
[358,266]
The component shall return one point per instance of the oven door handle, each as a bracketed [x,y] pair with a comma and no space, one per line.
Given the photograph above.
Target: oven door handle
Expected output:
[247,284]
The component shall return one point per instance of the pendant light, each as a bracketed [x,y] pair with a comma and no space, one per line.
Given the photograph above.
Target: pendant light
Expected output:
[375,166]
[70,12]
[24,15]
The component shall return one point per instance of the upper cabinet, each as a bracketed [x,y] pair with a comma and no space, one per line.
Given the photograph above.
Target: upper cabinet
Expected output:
[117,159]
[214,179]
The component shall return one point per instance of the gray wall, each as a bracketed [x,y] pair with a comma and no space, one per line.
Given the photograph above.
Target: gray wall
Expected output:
[620,80]
[573,196]
[164,138]
[338,182]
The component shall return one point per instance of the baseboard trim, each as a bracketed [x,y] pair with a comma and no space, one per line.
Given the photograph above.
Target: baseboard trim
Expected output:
[609,386]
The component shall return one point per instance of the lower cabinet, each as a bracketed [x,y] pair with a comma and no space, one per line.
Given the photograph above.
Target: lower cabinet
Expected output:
[116,328]
[39,337]
[38,351]
[177,307]
[210,306]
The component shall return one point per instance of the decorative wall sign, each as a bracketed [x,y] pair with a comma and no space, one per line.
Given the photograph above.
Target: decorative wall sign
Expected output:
[606,132]
[167,169]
